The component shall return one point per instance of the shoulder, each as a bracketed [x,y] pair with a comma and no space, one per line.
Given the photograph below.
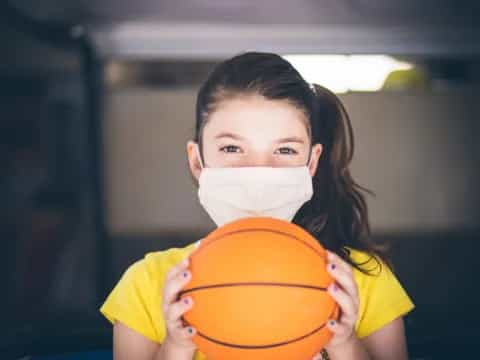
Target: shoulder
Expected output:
[375,274]
[154,265]
[381,296]
[144,279]
[371,265]
[135,299]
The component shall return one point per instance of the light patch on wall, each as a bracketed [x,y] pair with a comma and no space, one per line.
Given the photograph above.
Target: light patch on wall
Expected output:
[343,73]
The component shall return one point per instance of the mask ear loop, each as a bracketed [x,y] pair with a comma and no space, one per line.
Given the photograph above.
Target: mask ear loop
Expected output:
[311,149]
[314,92]
[309,158]
[199,156]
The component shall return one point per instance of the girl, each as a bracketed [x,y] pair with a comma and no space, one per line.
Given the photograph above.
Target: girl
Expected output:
[257,118]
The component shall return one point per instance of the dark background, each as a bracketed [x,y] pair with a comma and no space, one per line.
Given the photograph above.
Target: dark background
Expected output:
[63,250]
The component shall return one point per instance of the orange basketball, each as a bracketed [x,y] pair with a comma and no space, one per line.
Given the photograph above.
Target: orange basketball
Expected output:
[259,290]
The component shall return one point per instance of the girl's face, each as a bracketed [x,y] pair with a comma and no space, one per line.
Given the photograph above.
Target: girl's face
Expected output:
[254,131]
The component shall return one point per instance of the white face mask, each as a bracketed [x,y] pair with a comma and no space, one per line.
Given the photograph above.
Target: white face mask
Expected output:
[231,193]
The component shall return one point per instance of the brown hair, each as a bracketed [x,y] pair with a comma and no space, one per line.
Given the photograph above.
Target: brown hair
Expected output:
[337,214]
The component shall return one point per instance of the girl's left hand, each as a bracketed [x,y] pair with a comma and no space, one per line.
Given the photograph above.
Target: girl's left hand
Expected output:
[345,293]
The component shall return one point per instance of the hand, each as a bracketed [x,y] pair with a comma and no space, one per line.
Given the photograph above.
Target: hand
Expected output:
[345,292]
[178,336]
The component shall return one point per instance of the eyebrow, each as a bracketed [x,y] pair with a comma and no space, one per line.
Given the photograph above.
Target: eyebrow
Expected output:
[229,135]
[293,139]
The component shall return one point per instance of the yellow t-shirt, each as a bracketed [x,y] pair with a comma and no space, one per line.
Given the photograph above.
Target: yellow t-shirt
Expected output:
[136,299]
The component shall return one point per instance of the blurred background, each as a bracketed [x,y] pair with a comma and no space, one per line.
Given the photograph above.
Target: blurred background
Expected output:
[97,103]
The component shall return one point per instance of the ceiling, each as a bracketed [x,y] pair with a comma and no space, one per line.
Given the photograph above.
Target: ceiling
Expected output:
[305,12]
[216,28]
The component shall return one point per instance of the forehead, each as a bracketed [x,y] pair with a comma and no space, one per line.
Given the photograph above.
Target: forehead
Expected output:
[257,115]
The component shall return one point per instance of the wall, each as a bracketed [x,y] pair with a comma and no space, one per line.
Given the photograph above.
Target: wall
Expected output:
[416,151]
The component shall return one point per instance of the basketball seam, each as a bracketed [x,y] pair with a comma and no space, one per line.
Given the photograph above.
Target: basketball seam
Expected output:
[239,346]
[183,292]
[218,237]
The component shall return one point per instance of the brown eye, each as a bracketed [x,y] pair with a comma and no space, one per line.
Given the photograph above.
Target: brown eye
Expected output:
[286,151]
[230,149]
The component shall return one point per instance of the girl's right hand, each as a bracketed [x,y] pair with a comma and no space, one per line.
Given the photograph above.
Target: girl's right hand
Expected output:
[178,336]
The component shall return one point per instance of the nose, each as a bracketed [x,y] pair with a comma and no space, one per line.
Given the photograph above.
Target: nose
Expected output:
[260,159]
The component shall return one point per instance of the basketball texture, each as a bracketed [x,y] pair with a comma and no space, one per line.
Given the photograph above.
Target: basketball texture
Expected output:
[259,290]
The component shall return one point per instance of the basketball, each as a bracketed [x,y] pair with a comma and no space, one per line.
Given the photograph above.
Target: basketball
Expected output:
[259,290]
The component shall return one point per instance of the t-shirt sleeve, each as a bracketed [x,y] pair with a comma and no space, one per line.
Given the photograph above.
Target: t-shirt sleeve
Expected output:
[131,303]
[383,301]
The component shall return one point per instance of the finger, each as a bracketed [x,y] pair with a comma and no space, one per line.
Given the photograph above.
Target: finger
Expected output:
[176,310]
[339,328]
[349,310]
[189,331]
[176,325]
[345,280]
[346,284]
[319,356]
[343,273]
[338,261]
[185,333]
[173,286]
[174,271]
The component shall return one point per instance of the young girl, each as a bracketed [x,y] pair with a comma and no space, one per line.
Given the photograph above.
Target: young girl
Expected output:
[258,119]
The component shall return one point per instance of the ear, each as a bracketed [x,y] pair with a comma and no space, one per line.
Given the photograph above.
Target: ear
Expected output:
[193,161]
[314,159]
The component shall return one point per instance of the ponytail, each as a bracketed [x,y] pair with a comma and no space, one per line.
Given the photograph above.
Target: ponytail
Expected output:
[337,214]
